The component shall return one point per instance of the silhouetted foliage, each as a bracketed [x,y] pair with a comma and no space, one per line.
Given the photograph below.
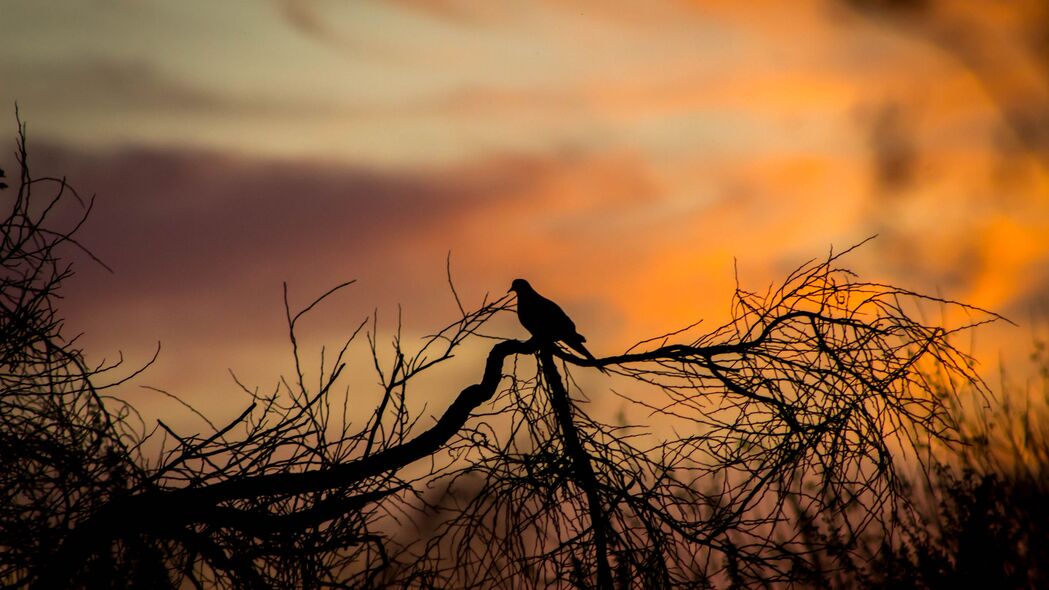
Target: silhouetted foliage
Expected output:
[988,532]
[980,515]
[987,524]
[65,450]
[798,408]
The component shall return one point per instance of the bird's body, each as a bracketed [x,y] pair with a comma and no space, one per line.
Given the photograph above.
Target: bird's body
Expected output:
[545,320]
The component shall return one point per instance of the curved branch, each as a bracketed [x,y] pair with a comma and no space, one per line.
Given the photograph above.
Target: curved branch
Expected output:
[166,512]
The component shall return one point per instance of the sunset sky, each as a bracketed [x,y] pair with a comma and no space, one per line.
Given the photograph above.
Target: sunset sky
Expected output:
[623,156]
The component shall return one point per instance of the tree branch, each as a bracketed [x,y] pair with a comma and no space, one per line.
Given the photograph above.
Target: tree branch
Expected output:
[584,471]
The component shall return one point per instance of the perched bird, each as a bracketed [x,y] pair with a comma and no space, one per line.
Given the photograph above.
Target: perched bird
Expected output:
[545,320]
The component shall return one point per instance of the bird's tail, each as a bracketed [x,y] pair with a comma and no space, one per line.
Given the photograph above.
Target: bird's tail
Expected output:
[576,344]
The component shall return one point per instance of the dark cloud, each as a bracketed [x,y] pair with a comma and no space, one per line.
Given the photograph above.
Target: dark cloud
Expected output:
[461,11]
[312,20]
[896,8]
[994,48]
[200,242]
[302,15]
[167,213]
[892,147]
[308,19]
[1033,299]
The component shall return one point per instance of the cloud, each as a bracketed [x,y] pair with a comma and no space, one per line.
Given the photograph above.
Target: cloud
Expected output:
[302,15]
[892,148]
[97,82]
[92,84]
[187,230]
[166,213]
[200,243]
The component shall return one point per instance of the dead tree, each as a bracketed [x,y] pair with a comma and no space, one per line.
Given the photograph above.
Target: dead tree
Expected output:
[801,404]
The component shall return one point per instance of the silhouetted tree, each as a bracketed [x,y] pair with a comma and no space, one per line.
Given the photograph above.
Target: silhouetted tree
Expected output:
[986,513]
[65,451]
[800,405]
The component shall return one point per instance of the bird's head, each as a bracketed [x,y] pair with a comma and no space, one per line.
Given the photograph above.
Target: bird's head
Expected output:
[519,285]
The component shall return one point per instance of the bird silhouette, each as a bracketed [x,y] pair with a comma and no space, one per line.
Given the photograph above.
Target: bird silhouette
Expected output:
[545,320]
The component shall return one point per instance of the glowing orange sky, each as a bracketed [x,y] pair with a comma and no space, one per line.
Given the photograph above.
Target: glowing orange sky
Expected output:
[619,155]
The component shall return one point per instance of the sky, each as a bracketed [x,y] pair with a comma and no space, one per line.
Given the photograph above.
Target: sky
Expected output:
[629,158]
